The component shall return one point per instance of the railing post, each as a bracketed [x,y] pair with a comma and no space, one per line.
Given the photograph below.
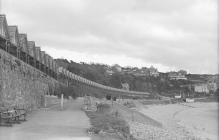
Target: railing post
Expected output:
[45,102]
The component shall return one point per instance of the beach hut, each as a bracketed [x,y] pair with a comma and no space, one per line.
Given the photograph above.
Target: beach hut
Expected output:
[38,57]
[4,34]
[32,53]
[23,47]
[14,41]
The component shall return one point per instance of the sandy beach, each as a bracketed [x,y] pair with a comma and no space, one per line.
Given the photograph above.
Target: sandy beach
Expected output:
[197,120]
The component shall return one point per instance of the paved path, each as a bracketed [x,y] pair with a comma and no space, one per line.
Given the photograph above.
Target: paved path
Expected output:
[51,124]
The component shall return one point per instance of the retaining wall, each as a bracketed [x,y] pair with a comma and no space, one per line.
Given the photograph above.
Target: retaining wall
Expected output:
[22,84]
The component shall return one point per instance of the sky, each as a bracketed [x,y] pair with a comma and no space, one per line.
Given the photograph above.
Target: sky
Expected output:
[170,35]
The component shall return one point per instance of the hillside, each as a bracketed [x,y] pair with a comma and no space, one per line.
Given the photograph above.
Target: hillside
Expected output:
[160,84]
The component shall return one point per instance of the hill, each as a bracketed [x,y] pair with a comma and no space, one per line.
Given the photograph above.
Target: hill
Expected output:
[112,76]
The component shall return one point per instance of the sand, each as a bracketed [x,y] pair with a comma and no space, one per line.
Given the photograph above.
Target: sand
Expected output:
[194,120]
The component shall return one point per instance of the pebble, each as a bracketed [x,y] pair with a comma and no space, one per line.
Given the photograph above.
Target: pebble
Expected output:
[148,132]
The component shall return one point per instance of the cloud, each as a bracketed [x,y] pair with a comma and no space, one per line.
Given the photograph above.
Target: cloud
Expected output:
[170,35]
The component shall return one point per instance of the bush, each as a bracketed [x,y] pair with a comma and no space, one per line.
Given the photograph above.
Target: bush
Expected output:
[67,91]
[129,104]
[108,97]
[103,108]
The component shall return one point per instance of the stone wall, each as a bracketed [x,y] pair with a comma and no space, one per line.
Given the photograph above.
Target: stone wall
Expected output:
[22,84]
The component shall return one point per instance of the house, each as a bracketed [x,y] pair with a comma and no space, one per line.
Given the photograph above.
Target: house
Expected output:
[212,83]
[139,74]
[153,72]
[127,70]
[177,76]
[4,28]
[117,68]
[146,71]
[201,88]
[14,39]
[109,72]
[125,86]
[212,86]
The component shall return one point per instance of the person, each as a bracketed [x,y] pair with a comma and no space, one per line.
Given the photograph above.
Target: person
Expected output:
[97,106]
[86,102]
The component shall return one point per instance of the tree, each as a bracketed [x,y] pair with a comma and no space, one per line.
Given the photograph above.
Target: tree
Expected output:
[115,80]
[183,72]
[67,91]
[90,76]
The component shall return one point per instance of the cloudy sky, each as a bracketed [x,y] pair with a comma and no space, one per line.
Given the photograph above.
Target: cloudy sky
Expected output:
[170,34]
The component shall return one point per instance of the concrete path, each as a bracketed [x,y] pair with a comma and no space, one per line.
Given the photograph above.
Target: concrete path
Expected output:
[51,124]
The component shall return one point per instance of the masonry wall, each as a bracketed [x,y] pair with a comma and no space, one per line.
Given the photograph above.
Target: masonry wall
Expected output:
[22,84]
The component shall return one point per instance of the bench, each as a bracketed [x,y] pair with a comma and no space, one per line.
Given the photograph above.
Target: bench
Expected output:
[6,117]
[20,114]
[10,116]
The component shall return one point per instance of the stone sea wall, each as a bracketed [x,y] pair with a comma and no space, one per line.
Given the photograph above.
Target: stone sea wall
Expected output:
[22,84]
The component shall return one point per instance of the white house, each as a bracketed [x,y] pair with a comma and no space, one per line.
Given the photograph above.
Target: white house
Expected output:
[125,86]
[201,88]
[177,76]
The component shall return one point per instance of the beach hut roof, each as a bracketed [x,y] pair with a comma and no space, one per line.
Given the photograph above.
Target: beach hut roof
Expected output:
[4,27]
[13,32]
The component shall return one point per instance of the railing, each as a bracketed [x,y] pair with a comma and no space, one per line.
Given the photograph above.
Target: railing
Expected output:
[75,80]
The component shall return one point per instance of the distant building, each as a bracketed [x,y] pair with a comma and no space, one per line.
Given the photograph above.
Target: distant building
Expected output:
[201,88]
[212,86]
[117,68]
[153,72]
[125,86]
[177,76]
[144,71]
[138,74]
[212,83]
[127,70]
[109,72]
[207,86]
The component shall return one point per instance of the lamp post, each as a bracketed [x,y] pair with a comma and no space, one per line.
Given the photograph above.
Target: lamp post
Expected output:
[0,6]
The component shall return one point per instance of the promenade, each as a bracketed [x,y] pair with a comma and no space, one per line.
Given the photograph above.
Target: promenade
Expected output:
[51,124]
